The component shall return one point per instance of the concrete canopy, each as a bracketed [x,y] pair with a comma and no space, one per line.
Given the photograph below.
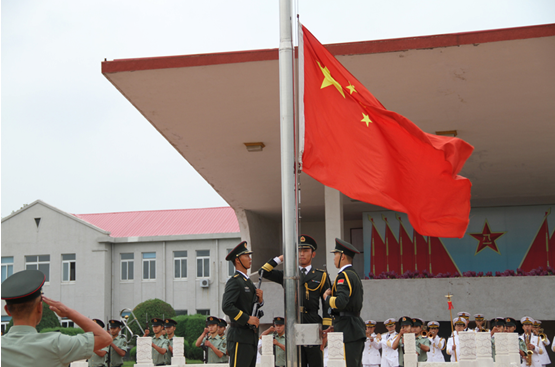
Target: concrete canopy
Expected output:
[496,88]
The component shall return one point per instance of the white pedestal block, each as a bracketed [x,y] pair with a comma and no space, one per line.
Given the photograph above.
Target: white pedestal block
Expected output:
[336,351]
[267,361]
[411,360]
[409,343]
[144,352]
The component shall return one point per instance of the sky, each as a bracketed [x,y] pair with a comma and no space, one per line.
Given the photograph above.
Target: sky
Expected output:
[69,138]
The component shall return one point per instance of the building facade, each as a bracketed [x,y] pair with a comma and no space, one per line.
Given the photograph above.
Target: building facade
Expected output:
[136,256]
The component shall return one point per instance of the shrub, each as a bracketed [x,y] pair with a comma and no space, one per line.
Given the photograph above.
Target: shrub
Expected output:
[149,309]
[190,328]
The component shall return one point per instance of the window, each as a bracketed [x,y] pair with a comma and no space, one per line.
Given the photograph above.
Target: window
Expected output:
[180,264]
[67,323]
[4,324]
[40,262]
[203,312]
[68,268]
[127,271]
[230,266]
[181,312]
[149,265]
[7,267]
[203,263]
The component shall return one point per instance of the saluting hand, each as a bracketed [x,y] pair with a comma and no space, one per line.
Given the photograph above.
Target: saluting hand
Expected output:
[57,306]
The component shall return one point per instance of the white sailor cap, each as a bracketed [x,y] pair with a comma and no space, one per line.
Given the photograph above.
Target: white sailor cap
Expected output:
[390,321]
[460,321]
[466,315]
[370,323]
[537,323]
[527,320]
[479,317]
[433,324]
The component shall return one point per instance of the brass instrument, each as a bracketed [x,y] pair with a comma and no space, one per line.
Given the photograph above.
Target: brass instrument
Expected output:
[126,323]
[529,353]
[425,334]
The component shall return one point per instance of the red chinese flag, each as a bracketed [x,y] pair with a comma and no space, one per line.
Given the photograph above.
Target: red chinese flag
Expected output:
[355,145]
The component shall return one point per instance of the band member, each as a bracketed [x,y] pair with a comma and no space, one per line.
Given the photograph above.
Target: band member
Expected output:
[23,346]
[314,283]
[536,329]
[466,316]
[99,356]
[371,355]
[534,347]
[212,341]
[480,323]
[239,297]
[390,357]
[453,344]
[437,344]
[159,342]
[118,346]
[422,343]
[345,301]
[169,327]
[399,343]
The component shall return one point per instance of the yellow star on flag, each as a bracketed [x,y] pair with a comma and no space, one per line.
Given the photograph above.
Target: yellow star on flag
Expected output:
[351,88]
[328,80]
[366,119]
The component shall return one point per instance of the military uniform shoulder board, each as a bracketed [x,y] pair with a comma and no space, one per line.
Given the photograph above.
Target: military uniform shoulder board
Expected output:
[320,270]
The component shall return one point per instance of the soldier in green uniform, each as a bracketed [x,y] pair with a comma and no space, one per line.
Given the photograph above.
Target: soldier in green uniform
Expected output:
[118,346]
[399,342]
[314,283]
[345,301]
[169,326]
[510,327]
[222,325]
[215,345]
[239,297]
[99,356]
[159,342]
[279,341]
[422,343]
[24,346]
[497,325]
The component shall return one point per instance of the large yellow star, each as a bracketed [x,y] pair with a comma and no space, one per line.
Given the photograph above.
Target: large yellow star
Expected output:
[351,88]
[366,119]
[328,80]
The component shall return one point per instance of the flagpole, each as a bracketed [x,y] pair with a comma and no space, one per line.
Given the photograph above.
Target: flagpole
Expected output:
[288,180]
[450,305]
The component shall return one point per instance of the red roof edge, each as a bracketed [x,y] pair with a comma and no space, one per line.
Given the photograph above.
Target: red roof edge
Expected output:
[353,48]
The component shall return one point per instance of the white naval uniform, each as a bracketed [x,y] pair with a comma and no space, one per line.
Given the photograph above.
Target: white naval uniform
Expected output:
[537,351]
[435,354]
[449,348]
[544,357]
[390,356]
[371,354]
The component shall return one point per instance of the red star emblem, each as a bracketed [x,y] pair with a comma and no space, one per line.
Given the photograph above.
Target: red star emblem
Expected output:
[487,239]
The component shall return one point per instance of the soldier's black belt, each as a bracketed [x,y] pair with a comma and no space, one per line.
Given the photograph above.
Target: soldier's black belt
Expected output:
[305,311]
[349,314]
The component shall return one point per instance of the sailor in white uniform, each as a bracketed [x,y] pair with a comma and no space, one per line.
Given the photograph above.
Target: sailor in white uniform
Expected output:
[453,344]
[371,355]
[437,343]
[390,357]
[532,342]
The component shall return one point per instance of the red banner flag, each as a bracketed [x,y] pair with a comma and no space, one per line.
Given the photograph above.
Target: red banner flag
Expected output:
[450,304]
[355,145]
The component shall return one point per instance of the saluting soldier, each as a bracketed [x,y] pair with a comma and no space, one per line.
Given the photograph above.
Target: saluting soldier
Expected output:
[99,356]
[239,297]
[169,326]
[399,342]
[497,326]
[437,344]
[480,321]
[210,339]
[118,346]
[159,342]
[345,301]
[314,283]
[22,345]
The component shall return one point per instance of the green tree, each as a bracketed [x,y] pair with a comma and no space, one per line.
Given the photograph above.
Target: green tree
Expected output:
[149,309]
[64,330]
[190,328]
[49,319]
